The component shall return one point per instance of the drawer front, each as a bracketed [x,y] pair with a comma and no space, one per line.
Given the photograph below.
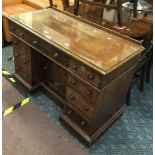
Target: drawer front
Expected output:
[85,72]
[25,63]
[79,104]
[82,88]
[16,43]
[24,73]
[19,31]
[22,59]
[49,50]
[22,52]
[82,123]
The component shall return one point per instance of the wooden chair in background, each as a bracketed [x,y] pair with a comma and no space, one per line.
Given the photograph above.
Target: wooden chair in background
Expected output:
[133,25]
[103,5]
[106,4]
[61,4]
[51,3]
[143,67]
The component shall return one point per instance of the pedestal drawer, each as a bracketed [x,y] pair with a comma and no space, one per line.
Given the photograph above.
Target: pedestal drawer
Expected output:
[79,104]
[85,72]
[22,53]
[24,73]
[82,123]
[82,88]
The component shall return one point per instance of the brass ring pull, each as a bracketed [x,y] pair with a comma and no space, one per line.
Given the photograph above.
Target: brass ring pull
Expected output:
[25,75]
[45,68]
[17,55]
[21,34]
[83,123]
[15,42]
[73,82]
[85,108]
[34,43]
[55,55]
[72,97]
[12,28]
[26,61]
[24,48]
[70,112]
[74,67]
[91,77]
[89,92]
[18,68]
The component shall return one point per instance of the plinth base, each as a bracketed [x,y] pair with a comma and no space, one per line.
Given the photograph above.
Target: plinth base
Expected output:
[82,135]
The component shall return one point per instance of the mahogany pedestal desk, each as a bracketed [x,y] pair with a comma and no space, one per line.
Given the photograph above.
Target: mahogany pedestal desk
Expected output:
[85,67]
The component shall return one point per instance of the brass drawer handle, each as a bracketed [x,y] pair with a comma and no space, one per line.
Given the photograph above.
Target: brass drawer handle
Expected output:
[34,43]
[55,55]
[91,77]
[83,123]
[17,55]
[26,61]
[24,48]
[12,28]
[73,82]
[74,67]
[71,97]
[15,42]
[21,34]
[18,68]
[85,108]
[89,92]
[45,68]
[25,75]
[70,112]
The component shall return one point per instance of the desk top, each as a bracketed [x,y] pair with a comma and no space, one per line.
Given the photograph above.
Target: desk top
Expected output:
[98,47]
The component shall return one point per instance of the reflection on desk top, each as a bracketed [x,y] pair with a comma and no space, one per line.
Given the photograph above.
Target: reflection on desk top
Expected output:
[100,48]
